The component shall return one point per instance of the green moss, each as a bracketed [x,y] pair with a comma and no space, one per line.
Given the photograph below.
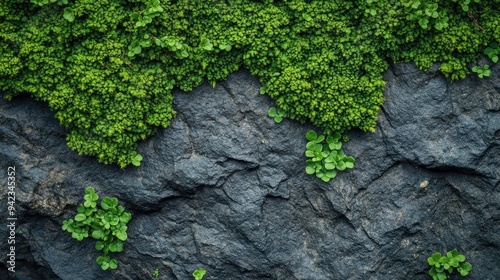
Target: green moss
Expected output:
[107,67]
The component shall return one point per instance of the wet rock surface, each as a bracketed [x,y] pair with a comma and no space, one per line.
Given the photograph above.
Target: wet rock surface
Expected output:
[224,188]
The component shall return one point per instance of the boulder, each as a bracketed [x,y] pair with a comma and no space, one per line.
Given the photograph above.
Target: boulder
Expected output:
[224,188]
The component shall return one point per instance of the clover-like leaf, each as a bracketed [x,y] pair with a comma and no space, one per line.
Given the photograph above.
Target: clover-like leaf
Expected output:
[113,264]
[105,265]
[68,14]
[125,217]
[325,178]
[109,203]
[318,148]
[320,139]
[122,235]
[134,16]
[80,217]
[331,174]
[310,170]
[199,273]
[99,245]
[310,145]
[226,47]
[341,165]
[281,112]
[272,112]
[335,145]
[136,159]
[97,234]
[90,190]
[311,135]
[329,166]
[116,246]
[206,44]
[460,258]
[465,269]
[310,153]
[101,259]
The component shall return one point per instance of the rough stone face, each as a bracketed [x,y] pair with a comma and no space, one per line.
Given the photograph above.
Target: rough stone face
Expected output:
[224,188]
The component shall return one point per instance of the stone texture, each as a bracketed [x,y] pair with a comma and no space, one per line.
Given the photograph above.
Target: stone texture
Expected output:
[224,188]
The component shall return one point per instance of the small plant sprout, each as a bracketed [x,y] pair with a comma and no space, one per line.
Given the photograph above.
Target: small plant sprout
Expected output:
[276,114]
[493,52]
[199,273]
[156,273]
[326,158]
[307,17]
[136,159]
[205,44]
[441,266]
[107,224]
[371,8]
[483,71]
[226,46]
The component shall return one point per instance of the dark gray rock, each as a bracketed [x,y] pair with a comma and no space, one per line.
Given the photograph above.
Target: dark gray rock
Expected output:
[224,188]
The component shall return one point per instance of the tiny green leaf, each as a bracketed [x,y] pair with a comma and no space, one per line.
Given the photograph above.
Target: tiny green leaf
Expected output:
[329,166]
[68,14]
[97,234]
[325,178]
[341,165]
[331,174]
[113,264]
[310,170]
[121,235]
[272,112]
[199,273]
[99,245]
[105,265]
[80,217]
[311,135]
[319,139]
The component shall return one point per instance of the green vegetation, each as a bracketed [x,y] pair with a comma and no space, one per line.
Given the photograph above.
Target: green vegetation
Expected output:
[442,266]
[156,273]
[276,114]
[199,273]
[482,71]
[326,157]
[108,225]
[136,159]
[107,67]
[493,52]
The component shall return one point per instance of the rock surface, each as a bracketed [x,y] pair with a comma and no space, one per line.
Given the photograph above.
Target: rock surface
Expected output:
[224,188]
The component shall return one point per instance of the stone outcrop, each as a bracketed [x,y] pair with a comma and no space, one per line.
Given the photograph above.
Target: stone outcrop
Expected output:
[224,188]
